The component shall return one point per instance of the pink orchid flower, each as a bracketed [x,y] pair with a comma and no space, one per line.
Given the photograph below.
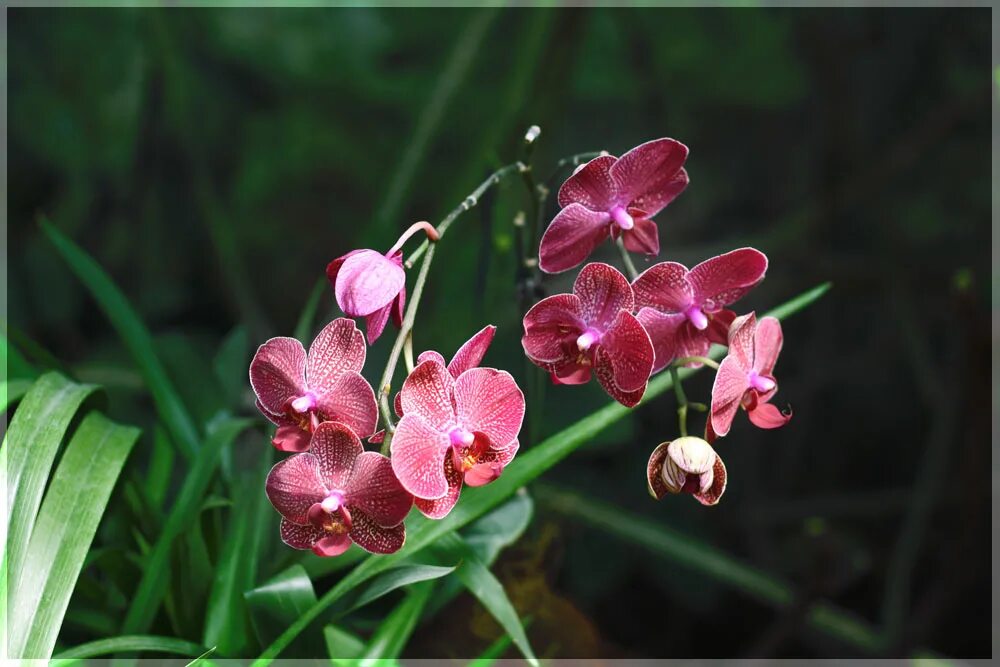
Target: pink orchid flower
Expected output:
[454,430]
[338,493]
[686,465]
[372,285]
[298,391]
[746,377]
[612,196]
[684,310]
[592,329]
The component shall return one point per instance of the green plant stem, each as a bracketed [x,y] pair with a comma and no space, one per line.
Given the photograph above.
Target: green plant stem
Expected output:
[684,361]
[682,402]
[626,260]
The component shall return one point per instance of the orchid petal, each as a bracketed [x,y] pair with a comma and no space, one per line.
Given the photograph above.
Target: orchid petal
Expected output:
[431,355]
[351,401]
[398,306]
[331,545]
[571,236]
[719,324]
[654,471]
[767,341]
[551,328]
[277,373]
[428,392]
[375,323]
[337,349]
[299,536]
[375,538]
[727,391]
[628,347]
[722,280]
[418,456]
[335,447]
[591,185]
[374,489]
[605,373]
[741,337]
[665,287]
[603,293]
[489,401]
[643,238]
[570,373]
[766,415]
[367,281]
[711,495]
[439,508]
[665,333]
[472,352]
[647,176]
[291,438]
[294,485]
[482,474]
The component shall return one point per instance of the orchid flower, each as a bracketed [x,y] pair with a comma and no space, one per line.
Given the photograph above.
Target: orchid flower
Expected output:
[454,431]
[746,377]
[684,310]
[611,196]
[591,330]
[372,285]
[336,494]
[297,391]
[686,465]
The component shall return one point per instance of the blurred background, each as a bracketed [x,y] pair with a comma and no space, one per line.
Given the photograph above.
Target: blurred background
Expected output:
[213,162]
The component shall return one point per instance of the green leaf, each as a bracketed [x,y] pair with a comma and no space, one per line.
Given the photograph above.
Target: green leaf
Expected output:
[231,363]
[492,652]
[404,575]
[29,450]
[278,602]
[132,644]
[161,467]
[134,334]
[62,534]
[12,391]
[483,584]
[391,636]
[227,619]
[475,502]
[500,528]
[153,586]
[342,646]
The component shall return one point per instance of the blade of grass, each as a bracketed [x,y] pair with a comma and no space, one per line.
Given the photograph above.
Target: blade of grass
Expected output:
[153,585]
[485,587]
[129,644]
[303,328]
[12,391]
[342,646]
[278,602]
[66,525]
[391,636]
[134,335]
[403,575]
[525,468]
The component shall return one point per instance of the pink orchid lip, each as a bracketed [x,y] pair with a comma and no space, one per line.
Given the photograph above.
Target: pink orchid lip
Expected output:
[459,437]
[622,218]
[588,338]
[696,317]
[759,382]
[333,501]
[304,403]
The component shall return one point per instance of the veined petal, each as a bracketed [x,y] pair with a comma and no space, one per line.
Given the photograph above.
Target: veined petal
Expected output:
[472,351]
[603,293]
[643,238]
[662,193]
[350,400]
[654,471]
[551,328]
[722,280]
[335,447]
[665,287]
[664,332]
[767,343]
[719,324]
[591,185]
[629,349]
[571,237]
[428,392]
[337,349]
[375,323]
[277,373]
[741,337]
[418,457]
[374,489]
[643,172]
[489,401]
[439,508]
[766,415]
[712,494]
[431,355]
[727,391]
[299,536]
[294,485]
[367,281]
[374,538]
[606,376]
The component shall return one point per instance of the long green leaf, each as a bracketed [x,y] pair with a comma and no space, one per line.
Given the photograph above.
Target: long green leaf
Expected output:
[477,501]
[278,602]
[156,573]
[11,391]
[131,644]
[134,334]
[342,646]
[29,450]
[391,637]
[485,587]
[395,578]
[227,620]
[66,526]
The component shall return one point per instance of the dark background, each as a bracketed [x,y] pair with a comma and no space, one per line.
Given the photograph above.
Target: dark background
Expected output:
[215,161]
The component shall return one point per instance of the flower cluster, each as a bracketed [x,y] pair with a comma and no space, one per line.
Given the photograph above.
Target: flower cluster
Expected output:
[667,317]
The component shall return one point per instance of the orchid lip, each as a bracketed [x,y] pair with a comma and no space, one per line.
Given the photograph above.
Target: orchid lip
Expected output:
[459,437]
[696,317]
[333,502]
[304,403]
[622,218]
[760,382]
[587,339]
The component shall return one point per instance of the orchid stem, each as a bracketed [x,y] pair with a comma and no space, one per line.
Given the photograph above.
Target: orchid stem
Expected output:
[408,352]
[684,361]
[682,401]
[626,260]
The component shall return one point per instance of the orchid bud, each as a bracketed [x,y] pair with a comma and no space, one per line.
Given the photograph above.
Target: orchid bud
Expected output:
[686,465]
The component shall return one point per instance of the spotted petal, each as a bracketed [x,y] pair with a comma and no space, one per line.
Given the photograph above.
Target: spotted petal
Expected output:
[335,448]
[727,391]
[672,336]
[374,538]
[489,401]
[472,352]
[722,280]
[767,343]
[277,373]
[665,287]
[418,456]
[591,185]
[603,293]
[648,176]
[571,236]
[374,489]
[654,471]
[350,400]
[294,485]
[551,328]
[366,281]
[627,346]
[299,536]
[741,340]
[643,238]
[428,392]
[713,493]
[438,508]
[339,348]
